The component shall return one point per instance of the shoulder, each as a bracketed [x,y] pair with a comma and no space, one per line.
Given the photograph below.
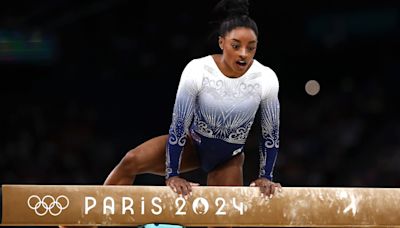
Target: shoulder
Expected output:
[198,63]
[193,71]
[267,74]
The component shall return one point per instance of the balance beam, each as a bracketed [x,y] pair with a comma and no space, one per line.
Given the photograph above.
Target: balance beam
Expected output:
[47,205]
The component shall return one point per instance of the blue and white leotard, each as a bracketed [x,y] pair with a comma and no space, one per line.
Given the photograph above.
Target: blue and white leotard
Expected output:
[218,112]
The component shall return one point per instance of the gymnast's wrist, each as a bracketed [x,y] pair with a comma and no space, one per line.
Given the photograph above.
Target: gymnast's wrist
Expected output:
[170,175]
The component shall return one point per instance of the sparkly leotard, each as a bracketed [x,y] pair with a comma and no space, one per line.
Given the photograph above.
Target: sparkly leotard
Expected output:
[217,112]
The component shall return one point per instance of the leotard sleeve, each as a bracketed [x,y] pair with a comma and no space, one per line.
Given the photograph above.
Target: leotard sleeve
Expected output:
[181,118]
[269,142]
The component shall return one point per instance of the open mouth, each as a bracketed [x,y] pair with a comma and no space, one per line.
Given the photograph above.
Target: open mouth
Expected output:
[241,63]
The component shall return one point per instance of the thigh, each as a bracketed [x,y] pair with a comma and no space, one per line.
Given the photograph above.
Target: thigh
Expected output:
[229,173]
[150,156]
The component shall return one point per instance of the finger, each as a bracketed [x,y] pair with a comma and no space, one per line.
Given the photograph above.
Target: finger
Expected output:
[263,191]
[172,186]
[272,190]
[189,188]
[179,190]
[279,187]
[185,190]
[268,191]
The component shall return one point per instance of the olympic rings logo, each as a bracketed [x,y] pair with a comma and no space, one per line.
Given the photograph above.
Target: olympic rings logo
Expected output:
[48,204]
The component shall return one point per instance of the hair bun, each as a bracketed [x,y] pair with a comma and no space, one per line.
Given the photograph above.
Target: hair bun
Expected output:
[232,8]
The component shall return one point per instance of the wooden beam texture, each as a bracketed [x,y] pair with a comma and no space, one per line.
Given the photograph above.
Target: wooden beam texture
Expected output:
[49,205]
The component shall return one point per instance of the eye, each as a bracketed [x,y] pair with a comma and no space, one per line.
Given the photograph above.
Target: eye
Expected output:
[251,48]
[235,46]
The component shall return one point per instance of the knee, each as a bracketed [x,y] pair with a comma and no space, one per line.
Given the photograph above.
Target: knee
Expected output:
[130,161]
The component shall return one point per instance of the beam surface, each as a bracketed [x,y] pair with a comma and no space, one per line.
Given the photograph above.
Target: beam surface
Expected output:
[50,205]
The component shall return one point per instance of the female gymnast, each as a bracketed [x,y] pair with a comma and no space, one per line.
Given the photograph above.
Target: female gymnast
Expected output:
[216,103]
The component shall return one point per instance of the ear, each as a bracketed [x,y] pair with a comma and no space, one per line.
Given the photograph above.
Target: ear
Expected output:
[221,42]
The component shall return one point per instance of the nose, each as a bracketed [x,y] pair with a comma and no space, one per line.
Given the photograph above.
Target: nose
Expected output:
[243,53]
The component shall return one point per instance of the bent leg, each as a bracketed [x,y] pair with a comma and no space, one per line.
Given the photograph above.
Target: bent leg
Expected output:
[149,157]
[228,174]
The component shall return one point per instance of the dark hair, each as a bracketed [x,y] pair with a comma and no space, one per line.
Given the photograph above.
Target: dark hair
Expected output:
[233,14]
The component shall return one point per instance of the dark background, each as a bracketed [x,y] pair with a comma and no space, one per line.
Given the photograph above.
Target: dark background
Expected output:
[82,82]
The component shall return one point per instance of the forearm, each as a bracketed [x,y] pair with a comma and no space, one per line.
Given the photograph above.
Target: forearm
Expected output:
[268,158]
[269,143]
[173,159]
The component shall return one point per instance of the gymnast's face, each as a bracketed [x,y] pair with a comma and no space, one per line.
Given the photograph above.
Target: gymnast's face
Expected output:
[239,47]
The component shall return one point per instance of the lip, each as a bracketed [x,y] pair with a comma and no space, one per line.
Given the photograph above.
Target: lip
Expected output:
[241,67]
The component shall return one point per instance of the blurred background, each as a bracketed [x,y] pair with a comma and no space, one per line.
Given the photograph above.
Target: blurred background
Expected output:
[83,82]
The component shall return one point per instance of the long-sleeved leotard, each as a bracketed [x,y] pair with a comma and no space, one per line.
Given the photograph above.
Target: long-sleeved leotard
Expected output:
[217,112]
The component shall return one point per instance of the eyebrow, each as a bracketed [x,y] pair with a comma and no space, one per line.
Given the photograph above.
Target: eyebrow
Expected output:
[251,42]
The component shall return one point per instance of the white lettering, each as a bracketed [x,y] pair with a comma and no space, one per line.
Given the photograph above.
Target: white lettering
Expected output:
[154,203]
[87,200]
[239,207]
[180,206]
[127,207]
[110,207]
[199,205]
[219,201]
[142,206]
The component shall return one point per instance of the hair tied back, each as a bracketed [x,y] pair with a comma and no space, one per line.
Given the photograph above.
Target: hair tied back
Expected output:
[232,8]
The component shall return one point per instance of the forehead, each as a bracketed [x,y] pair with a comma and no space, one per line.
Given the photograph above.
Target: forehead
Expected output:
[242,34]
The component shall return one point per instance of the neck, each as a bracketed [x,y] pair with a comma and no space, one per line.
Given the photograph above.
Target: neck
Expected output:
[224,67]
